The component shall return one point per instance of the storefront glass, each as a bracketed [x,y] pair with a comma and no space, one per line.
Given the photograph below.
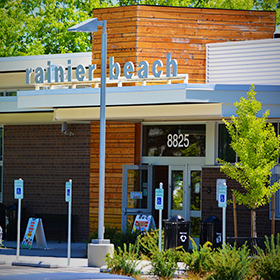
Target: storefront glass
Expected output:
[174,140]
[225,152]
[1,162]
[196,190]
[177,190]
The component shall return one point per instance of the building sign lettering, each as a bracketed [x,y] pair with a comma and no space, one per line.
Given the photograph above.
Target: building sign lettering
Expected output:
[56,73]
[178,140]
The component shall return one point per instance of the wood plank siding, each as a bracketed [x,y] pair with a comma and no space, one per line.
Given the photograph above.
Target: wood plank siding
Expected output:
[137,33]
[121,142]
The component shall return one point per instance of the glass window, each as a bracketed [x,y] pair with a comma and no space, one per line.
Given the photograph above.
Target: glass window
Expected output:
[174,140]
[137,191]
[1,143]
[11,93]
[274,179]
[8,93]
[1,162]
[225,152]
[177,190]
[195,190]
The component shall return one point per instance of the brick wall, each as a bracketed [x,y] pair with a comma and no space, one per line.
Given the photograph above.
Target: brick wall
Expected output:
[210,207]
[45,159]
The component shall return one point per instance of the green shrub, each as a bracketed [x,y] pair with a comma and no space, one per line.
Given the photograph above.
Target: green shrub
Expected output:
[124,262]
[164,263]
[116,236]
[197,262]
[230,263]
[148,242]
[267,264]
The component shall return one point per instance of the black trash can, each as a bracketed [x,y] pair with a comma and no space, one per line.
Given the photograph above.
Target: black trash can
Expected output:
[211,230]
[176,233]
[11,223]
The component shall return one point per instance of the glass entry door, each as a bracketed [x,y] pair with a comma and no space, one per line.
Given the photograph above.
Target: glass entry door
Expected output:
[136,193]
[184,197]
[195,201]
[177,196]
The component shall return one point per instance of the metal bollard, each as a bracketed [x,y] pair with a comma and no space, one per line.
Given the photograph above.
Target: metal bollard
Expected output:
[1,235]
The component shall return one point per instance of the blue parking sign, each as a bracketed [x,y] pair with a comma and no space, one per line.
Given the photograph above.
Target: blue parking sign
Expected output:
[159,199]
[68,191]
[222,195]
[18,189]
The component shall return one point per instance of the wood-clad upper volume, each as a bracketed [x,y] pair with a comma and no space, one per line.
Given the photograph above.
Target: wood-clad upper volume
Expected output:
[137,33]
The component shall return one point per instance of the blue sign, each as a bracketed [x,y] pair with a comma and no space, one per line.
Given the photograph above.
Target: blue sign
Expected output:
[68,191]
[222,195]
[159,199]
[18,185]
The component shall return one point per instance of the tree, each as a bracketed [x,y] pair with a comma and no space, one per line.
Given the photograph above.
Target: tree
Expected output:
[33,27]
[264,5]
[258,149]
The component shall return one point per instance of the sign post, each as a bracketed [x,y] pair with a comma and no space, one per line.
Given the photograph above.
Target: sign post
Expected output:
[159,206]
[68,198]
[18,186]
[222,202]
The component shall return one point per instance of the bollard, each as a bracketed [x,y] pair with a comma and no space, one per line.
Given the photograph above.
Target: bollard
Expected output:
[1,235]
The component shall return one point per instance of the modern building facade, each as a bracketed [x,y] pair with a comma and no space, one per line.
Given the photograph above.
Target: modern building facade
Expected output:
[165,129]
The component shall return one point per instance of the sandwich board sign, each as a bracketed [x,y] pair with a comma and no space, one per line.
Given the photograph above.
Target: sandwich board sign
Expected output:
[143,223]
[34,230]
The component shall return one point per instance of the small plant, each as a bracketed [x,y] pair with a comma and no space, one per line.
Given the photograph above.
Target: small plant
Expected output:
[124,262]
[267,264]
[164,263]
[148,242]
[197,262]
[230,263]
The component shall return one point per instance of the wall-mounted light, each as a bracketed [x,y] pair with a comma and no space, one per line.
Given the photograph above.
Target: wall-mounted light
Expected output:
[64,129]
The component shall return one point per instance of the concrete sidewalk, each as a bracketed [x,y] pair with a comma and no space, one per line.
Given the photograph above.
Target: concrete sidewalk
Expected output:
[55,253]
[52,260]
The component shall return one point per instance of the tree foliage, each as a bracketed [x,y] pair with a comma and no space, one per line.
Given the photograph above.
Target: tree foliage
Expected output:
[32,27]
[264,5]
[257,147]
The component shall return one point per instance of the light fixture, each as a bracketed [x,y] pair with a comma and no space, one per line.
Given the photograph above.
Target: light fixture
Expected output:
[64,129]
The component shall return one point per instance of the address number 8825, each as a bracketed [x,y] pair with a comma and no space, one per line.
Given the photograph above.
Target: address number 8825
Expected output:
[178,140]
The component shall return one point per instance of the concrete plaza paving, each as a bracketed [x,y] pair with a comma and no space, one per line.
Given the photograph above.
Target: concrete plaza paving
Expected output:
[52,259]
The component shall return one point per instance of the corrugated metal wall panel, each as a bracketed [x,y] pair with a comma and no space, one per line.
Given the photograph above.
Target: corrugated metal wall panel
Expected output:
[248,62]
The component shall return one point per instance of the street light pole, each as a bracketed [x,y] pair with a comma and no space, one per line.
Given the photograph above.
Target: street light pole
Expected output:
[102,133]
[91,25]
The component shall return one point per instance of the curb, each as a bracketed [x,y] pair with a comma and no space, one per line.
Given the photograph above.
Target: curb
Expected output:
[34,264]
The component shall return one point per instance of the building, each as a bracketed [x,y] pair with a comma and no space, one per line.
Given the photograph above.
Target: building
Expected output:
[168,130]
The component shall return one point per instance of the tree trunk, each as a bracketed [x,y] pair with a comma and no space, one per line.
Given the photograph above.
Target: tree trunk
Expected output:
[253,224]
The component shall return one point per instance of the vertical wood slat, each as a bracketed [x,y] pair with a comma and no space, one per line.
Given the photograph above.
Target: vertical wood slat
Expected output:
[120,147]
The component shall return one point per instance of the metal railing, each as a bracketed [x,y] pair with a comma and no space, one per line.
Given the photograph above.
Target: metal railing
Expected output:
[95,82]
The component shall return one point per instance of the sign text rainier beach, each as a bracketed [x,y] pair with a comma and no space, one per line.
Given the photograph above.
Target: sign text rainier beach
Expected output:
[56,73]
